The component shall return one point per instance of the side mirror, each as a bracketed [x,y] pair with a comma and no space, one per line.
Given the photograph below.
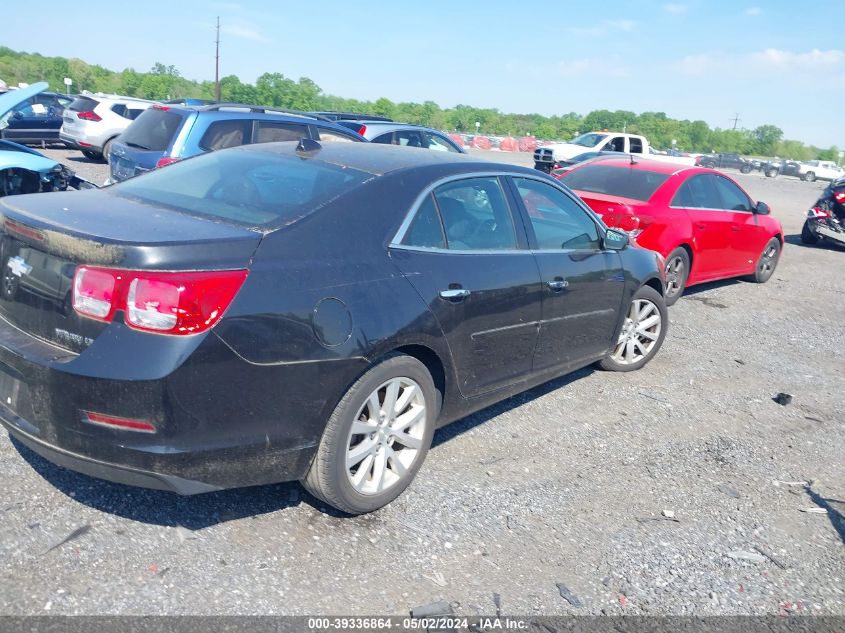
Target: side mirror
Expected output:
[762,208]
[615,240]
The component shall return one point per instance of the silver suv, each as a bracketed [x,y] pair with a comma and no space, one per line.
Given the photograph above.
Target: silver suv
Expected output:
[93,121]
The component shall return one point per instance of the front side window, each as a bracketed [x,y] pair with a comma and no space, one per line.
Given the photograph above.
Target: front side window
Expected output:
[732,196]
[408,138]
[558,221]
[475,215]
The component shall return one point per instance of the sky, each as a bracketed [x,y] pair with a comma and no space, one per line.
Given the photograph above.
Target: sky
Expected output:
[778,62]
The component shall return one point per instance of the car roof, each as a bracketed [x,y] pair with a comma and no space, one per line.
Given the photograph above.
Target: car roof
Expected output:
[638,163]
[380,159]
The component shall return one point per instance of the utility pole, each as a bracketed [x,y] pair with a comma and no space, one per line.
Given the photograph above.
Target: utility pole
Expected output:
[736,118]
[217,63]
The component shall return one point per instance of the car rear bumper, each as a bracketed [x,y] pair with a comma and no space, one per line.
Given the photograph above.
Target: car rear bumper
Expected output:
[210,435]
[79,143]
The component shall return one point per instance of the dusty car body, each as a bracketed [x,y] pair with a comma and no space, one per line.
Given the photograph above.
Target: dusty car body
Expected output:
[23,169]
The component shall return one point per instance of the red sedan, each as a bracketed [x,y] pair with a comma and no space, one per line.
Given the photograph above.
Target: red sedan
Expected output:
[702,222]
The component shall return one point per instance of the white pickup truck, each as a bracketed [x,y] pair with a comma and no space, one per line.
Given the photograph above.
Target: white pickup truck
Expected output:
[546,157]
[819,170]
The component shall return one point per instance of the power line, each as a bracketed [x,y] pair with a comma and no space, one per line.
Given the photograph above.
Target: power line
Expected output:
[217,63]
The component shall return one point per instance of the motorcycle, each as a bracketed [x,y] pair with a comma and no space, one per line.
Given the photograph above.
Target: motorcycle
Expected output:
[826,217]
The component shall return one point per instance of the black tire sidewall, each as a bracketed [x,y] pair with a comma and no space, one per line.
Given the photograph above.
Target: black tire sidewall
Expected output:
[807,236]
[338,428]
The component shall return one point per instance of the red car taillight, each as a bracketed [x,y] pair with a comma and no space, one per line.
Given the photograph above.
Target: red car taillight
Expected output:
[89,115]
[165,160]
[163,302]
[362,129]
[818,212]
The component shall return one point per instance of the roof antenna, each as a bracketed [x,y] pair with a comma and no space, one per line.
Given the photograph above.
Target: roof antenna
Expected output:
[308,146]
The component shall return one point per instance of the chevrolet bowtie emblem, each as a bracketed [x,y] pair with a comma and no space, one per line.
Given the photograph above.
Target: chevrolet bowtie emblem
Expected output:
[18,266]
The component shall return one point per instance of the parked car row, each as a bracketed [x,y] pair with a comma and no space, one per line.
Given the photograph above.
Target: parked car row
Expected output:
[297,302]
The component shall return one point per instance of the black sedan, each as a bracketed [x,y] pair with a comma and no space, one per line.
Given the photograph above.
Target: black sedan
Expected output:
[279,312]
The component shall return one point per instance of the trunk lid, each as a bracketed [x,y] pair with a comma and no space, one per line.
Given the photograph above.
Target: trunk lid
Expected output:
[44,237]
[615,211]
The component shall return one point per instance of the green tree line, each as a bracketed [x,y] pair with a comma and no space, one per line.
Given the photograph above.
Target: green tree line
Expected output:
[274,89]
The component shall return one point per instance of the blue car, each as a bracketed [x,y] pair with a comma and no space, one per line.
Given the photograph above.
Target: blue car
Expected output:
[37,119]
[166,133]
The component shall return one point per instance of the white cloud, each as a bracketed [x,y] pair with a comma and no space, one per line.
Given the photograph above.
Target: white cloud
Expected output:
[675,8]
[754,11]
[812,60]
[604,27]
[242,31]
[768,60]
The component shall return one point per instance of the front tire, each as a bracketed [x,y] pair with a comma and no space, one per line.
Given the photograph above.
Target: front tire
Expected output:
[745,169]
[771,173]
[377,437]
[807,236]
[677,273]
[809,177]
[767,262]
[642,333]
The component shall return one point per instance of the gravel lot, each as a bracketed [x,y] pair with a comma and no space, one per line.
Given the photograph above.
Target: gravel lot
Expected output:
[568,483]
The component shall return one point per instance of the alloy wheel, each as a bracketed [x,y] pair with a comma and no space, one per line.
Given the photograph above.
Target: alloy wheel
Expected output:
[640,333]
[675,275]
[386,436]
[768,260]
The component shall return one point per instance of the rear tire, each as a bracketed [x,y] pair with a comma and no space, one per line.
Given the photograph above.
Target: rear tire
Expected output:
[336,474]
[91,154]
[767,262]
[745,169]
[677,273]
[807,236]
[642,332]
[771,173]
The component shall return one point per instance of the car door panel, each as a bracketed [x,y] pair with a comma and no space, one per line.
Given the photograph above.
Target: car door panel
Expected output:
[583,286]
[464,257]
[748,237]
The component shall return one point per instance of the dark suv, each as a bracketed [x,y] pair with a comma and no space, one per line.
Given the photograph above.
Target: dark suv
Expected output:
[166,133]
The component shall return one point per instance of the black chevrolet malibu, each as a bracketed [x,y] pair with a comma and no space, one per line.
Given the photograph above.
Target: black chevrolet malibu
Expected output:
[279,312]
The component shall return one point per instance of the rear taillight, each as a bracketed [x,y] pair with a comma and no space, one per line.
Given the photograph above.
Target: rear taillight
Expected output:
[163,302]
[362,129]
[164,161]
[818,212]
[840,196]
[89,115]
[163,108]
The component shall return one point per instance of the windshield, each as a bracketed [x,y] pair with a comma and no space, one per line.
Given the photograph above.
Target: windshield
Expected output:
[589,140]
[252,187]
[636,184]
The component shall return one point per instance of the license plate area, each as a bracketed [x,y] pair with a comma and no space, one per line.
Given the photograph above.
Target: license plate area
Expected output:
[14,393]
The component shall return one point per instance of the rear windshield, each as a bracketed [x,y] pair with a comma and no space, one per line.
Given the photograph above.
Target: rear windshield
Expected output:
[637,184]
[154,130]
[83,104]
[251,187]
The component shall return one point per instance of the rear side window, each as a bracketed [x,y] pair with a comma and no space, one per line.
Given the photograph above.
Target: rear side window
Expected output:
[698,192]
[83,104]
[636,184]
[119,109]
[271,132]
[250,186]
[426,230]
[332,136]
[636,145]
[153,130]
[227,133]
